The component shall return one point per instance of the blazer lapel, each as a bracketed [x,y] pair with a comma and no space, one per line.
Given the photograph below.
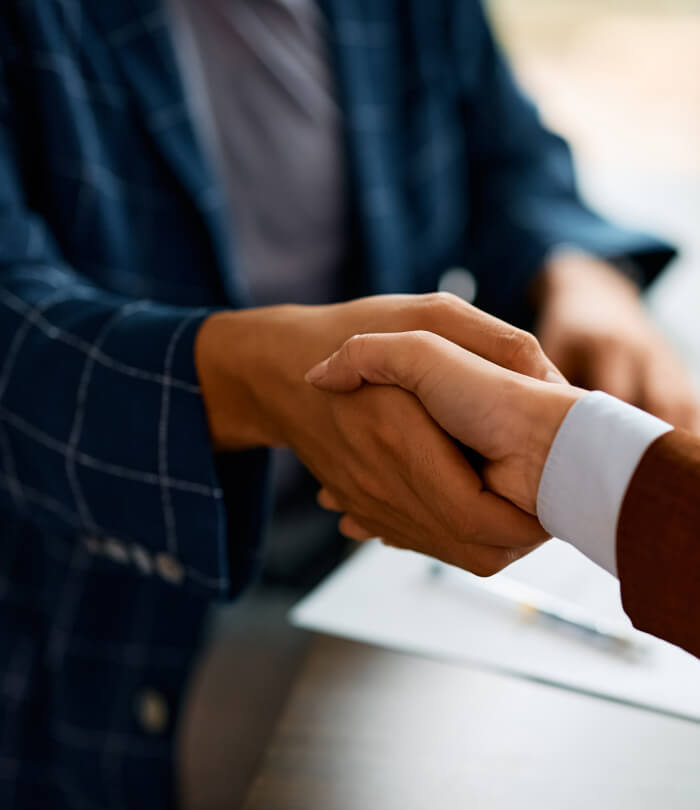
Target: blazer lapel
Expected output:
[367,62]
[138,32]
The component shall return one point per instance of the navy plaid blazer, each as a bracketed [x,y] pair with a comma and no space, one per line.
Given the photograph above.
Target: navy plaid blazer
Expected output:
[113,249]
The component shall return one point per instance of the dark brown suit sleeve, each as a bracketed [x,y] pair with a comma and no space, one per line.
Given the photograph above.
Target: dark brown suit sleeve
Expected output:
[658,542]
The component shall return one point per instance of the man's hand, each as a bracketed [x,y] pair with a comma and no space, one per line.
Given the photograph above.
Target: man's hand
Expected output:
[508,418]
[377,452]
[251,363]
[593,326]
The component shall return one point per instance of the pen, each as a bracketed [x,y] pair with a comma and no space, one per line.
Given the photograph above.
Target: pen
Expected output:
[536,605]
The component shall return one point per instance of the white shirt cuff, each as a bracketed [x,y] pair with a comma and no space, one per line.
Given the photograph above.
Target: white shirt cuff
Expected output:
[589,468]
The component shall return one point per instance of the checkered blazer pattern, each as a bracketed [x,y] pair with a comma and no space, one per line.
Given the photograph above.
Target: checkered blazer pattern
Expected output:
[119,527]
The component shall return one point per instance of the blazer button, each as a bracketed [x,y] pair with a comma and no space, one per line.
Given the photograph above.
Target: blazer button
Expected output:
[459,282]
[170,569]
[152,711]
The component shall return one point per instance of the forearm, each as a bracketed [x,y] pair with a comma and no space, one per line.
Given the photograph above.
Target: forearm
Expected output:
[566,269]
[233,380]
[250,364]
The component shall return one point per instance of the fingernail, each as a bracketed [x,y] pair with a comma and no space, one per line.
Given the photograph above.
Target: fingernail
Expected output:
[555,377]
[317,373]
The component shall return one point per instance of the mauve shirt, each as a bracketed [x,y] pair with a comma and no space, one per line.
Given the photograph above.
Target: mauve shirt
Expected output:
[261,92]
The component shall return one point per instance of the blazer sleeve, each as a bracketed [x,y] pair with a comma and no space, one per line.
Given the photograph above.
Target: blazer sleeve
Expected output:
[103,434]
[523,194]
[658,544]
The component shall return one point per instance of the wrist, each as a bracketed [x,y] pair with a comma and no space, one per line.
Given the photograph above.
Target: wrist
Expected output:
[546,407]
[234,373]
[567,270]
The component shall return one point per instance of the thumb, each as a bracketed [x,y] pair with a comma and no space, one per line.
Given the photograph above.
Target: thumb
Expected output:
[486,407]
[398,358]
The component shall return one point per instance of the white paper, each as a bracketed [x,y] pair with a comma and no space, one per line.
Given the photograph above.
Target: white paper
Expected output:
[395,599]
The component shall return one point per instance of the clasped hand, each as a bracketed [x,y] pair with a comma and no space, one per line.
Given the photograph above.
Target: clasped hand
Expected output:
[377,451]
[509,418]
[384,453]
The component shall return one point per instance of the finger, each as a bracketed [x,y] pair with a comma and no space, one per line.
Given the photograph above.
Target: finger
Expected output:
[486,561]
[414,361]
[466,326]
[452,508]
[349,528]
[336,373]
[328,501]
[500,524]
[482,561]
[398,358]
[491,338]
[461,391]
[474,516]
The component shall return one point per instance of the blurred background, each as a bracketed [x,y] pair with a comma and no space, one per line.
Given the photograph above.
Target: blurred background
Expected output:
[620,79]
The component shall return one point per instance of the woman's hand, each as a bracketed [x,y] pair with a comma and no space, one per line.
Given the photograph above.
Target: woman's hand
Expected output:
[510,419]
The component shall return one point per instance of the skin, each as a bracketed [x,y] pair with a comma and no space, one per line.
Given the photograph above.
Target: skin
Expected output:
[593,326]
[508,418]
[378,455]
[377,450]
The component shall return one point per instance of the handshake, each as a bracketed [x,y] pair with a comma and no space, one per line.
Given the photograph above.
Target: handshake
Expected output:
[496,394]
[408,379]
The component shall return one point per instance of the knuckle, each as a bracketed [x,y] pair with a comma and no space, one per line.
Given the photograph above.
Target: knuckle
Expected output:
[525,350]
[354,347]
[360,353]
[485,568]
[444,299]
[420,338]
[437,305]
[371,354]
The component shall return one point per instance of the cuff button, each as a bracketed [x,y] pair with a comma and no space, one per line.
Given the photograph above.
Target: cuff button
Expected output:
[170,569]
[152,711]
